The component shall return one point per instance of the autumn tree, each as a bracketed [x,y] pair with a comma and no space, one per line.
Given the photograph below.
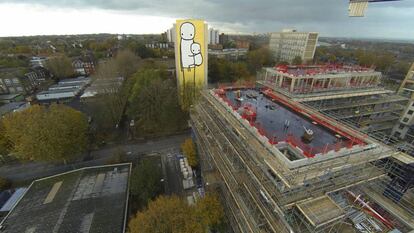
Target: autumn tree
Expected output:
[189,151]
[174,215]
[127,63]
[145,181]
[55,133]
[60,67]
[210,211]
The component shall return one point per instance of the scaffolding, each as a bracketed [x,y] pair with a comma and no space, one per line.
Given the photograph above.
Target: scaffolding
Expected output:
[264,193]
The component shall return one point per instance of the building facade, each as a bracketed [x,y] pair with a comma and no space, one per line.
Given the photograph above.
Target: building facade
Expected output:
[213,36]
[289,44]
[20,81]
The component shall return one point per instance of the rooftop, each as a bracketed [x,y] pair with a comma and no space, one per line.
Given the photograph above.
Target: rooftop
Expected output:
[281,123]
[328,69]
[88,200]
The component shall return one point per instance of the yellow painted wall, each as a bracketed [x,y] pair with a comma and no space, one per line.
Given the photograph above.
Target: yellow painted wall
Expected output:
[196,74]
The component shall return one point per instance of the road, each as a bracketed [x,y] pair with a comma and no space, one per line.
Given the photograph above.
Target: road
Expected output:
[32,170]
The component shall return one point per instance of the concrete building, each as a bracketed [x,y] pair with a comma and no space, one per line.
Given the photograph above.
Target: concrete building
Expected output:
[171,34]
[351,94]
[213,36]
[281,166]
[88,200]
[230,54]
[289,43]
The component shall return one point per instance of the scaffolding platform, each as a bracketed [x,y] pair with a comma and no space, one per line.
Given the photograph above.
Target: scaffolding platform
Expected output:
[321,211]
[400,213]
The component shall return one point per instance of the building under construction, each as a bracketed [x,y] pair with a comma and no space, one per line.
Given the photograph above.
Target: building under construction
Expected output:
[350,94]
[282,166]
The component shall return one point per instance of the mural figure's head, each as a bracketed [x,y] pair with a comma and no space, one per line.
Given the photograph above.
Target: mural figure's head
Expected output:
[187,31]
[195,48]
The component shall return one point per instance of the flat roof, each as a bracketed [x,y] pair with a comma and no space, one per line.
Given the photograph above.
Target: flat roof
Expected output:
[9,96]
[10,107]
[286,124]
[66,90]
[321,211]
[328,69]
[88,200]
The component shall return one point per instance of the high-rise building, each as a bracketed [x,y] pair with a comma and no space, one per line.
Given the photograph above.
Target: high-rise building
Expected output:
[289,43]
[213,36]
[171,34]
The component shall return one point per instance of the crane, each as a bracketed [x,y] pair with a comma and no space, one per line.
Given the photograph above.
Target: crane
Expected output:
[357,7]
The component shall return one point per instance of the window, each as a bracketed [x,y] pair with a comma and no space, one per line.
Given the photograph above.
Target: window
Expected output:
[397,134]
[15,80]
[401,126]
[405,119]
[410,112]
[7,81]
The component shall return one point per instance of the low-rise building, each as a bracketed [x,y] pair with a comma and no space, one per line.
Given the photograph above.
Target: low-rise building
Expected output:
[20,80]
[230,54]
[65,90]
[88,200]
[38,61]
[84,65]
[13,107]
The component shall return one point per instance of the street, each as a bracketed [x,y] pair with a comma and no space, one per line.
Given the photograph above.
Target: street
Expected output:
[34,170]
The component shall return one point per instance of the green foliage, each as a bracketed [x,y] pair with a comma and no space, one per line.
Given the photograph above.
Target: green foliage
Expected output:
[297,60]
[256,59]
[12,62]
[153,103]
[174,215]
[4,184]
[57,133]
[189,150]
[146,181]
[5,144]
[60,67]
[127,63]
[222,70]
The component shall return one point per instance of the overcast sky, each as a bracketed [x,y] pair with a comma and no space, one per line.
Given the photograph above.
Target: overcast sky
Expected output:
[394,20]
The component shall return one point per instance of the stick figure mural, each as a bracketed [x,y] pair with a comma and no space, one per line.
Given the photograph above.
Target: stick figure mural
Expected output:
[191,57]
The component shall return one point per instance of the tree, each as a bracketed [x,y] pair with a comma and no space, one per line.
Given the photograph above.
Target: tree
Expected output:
[57,133]
[189,151]
[210,210]
[4,184]
[127,63]
[174,215]
[258,58]
[297,60]
[153,103]
[4,142]
[60,67]
[146,181]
